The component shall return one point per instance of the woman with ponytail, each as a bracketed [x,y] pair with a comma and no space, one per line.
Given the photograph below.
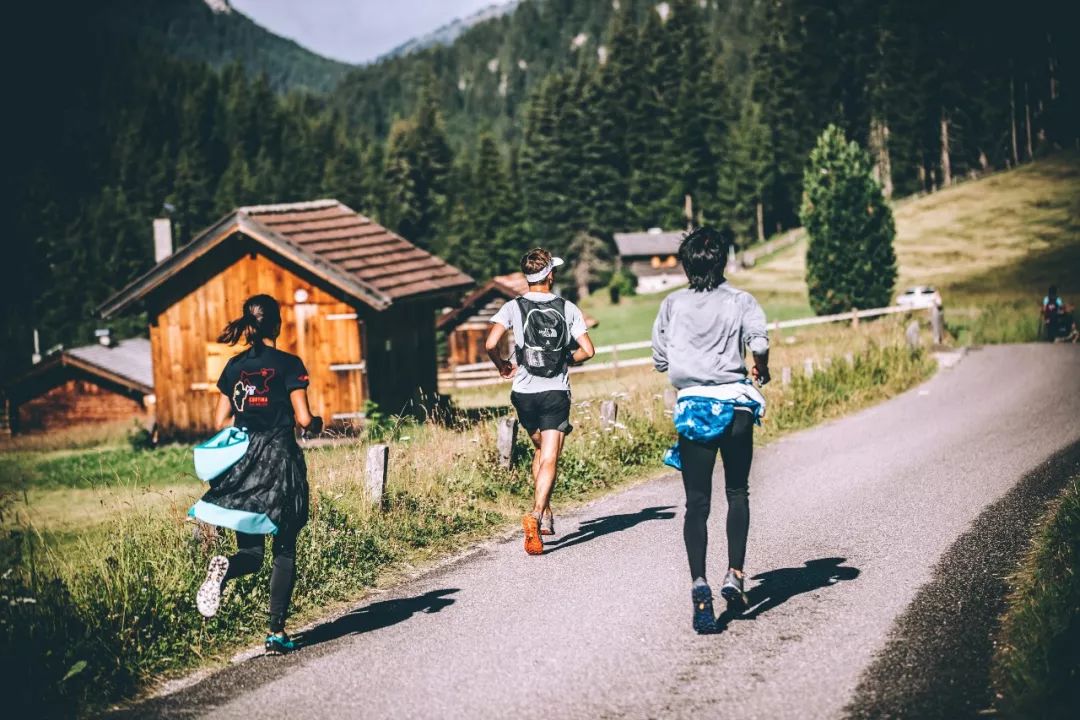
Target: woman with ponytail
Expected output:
[263,392]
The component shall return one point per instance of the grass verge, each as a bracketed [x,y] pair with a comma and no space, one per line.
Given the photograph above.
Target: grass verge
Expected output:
[91,617]
[1036,671]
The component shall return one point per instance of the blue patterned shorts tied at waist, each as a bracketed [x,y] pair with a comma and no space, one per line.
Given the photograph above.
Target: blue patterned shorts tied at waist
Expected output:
[703,419]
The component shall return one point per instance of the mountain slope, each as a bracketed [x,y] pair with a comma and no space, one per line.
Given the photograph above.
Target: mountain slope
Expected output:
[450,32]
[483,76]
[220,35]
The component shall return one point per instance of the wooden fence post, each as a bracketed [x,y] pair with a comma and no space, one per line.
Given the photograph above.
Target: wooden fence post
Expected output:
[785,376]
[912,335]
[377,465]
[506,431]
[615,360]
[854,317]
[670,396]
[937,324]
[849,358]
[609,412]
[808,367]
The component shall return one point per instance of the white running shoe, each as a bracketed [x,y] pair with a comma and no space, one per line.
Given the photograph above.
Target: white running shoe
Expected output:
[208,599]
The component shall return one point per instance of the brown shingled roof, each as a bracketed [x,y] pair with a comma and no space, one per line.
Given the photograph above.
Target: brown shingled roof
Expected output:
[360,246]
[331,240]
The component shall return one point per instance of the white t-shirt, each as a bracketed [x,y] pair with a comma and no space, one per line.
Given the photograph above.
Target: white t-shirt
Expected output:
[509,316]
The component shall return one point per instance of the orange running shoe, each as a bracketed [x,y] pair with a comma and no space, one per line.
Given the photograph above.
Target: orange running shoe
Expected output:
[534,544]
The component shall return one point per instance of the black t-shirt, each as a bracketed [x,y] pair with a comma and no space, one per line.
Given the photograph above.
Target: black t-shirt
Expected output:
[258,382]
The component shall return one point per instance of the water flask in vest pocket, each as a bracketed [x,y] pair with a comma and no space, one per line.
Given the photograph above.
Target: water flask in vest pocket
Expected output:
[534,357]
[219,453]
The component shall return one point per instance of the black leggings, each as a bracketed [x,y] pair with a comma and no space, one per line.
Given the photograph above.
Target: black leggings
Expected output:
[249,558]
[736,447]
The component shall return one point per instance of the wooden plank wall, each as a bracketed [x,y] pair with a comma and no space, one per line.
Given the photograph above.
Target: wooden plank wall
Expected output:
[467,345]
[77,402]
[186,332]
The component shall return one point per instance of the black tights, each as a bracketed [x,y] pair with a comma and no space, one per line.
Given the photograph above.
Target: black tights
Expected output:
[249,558]
[736,447]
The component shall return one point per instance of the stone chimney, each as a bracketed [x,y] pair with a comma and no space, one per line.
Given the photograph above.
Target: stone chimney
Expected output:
[163,246]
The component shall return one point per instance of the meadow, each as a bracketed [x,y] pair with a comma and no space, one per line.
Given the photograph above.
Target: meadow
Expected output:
[991,246]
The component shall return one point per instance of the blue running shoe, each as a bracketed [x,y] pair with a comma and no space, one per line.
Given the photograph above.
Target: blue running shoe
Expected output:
[704,618]
[279,644]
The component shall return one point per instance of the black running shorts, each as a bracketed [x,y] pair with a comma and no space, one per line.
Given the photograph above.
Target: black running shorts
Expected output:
[548,410]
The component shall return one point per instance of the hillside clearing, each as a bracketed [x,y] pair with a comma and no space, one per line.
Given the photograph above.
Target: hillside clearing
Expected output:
[1000,239]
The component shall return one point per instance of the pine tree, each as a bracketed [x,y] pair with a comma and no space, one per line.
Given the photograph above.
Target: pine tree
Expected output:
[692,156]
[543,179]
[850,262]
[654,170]
[747,175]
[401,209]
[590,260]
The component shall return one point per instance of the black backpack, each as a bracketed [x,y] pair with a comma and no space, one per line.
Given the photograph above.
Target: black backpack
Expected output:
[546,336]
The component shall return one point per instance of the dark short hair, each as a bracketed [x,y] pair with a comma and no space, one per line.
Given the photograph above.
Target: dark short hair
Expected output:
[535,260]
[703,254]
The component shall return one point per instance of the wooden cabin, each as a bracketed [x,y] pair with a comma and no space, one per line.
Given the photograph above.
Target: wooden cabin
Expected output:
[466,326]
[357,301]
[103,383]
[653,257]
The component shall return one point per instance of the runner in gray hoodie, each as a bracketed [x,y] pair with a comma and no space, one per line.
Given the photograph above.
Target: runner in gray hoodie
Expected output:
[699,339]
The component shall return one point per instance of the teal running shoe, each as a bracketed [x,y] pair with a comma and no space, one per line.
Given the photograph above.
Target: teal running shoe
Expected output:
[279,644]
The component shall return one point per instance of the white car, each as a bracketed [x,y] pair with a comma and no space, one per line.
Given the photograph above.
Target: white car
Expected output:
[920,296]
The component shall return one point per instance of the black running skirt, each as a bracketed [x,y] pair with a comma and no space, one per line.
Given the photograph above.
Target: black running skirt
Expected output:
[265,492]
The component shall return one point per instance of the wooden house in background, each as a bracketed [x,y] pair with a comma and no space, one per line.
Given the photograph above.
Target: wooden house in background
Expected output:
[653,257]
[104,383]
[466,326]
[358,305]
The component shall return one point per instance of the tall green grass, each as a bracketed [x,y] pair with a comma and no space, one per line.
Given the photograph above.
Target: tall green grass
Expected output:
[96,617]
[1036,669]
[993,321]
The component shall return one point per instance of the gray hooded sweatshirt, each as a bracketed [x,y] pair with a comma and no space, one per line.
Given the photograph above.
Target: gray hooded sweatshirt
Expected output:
[699,337]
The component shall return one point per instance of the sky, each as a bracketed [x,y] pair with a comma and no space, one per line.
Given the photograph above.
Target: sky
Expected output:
[355,31]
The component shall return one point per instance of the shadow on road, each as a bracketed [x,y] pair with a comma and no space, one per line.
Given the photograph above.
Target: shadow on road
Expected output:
[598,527]
[776,587]
[376,616]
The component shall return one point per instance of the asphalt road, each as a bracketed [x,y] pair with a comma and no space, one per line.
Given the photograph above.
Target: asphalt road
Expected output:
[853,525]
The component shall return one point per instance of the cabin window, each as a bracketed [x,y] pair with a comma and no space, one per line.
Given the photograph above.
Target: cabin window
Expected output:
[655,262]
[671,261]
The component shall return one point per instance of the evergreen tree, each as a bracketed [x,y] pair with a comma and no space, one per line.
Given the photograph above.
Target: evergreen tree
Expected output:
[543,182]
[850,262]
[590,262]
[401,209]
[747,174]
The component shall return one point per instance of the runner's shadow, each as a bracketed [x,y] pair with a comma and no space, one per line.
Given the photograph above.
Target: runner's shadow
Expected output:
[598,527]
[776,587]
[376,616]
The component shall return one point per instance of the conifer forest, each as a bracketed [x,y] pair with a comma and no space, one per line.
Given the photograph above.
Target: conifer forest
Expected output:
[558,124]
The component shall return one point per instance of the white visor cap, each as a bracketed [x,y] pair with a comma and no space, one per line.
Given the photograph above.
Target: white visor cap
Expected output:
[539,276]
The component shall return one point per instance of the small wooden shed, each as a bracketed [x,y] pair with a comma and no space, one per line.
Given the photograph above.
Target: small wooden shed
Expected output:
[653,256]
[358,305]
[103,383]
[466,326]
